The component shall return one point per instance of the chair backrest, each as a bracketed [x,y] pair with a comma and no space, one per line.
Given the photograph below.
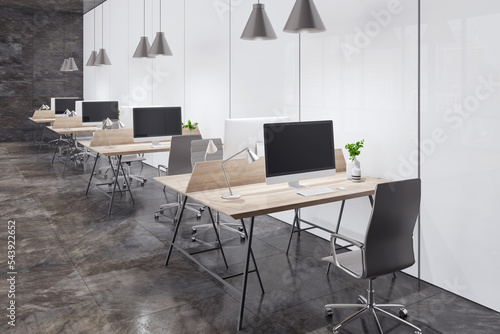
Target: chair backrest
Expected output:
[389,236]
[199,148]
[179,160]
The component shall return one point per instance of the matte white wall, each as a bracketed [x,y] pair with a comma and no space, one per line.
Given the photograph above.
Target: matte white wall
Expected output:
[362,74]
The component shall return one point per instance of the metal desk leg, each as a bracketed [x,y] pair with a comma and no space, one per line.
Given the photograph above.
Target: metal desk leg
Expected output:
[126,181]
[57,146]
[217,235]
[92,173]
[67,154]
[245,274]
[336,231]
[370,197]
[37,127]
[295,221]
[177,221]
[41,140]
[116,181]
[253,258]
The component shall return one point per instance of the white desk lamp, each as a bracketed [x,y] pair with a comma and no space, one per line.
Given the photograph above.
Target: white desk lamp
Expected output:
[107,124]
[211,148]
[68,113]
[251,156]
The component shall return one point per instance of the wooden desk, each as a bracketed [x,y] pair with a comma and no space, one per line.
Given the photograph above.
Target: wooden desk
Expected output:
[260,199]
[40,122]
[120,150]
[70,132]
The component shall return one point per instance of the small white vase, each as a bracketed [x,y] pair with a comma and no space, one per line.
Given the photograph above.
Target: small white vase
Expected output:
[349,165]
[356,174]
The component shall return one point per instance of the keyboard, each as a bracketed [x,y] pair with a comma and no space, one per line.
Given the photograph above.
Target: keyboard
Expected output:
[315,191]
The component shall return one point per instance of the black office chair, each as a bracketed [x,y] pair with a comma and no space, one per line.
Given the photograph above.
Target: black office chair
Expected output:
[387,248]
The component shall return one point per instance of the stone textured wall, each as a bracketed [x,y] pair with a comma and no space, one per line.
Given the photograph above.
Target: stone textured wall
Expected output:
[33,45]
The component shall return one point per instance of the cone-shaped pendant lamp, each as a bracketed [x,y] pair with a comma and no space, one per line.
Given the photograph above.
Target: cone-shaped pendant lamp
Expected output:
[102,57]
[304,18]
[71,65]
[142,49]
[93,54]
[160,46]
[91,61]
[64,66]
[258,25]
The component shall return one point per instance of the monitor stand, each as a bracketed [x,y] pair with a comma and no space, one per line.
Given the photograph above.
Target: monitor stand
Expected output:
[156,144]
[296,185]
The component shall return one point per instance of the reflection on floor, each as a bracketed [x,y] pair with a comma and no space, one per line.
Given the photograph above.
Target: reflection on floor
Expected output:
[80,270]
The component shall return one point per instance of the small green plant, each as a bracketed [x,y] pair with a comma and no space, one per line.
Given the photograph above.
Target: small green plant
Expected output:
[354,149]
[189,125]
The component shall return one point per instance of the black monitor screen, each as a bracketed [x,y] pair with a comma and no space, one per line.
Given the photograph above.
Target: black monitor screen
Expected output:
[157,122]
[98,111]
[61,105]
[298,147]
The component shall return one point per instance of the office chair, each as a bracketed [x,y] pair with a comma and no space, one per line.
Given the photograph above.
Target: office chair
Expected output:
[387,247]
[179,162]
[198,153]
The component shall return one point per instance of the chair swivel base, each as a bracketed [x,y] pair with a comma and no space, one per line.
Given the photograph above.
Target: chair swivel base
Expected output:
[368,305]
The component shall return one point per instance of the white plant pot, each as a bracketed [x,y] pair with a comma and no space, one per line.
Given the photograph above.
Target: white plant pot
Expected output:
[349,165]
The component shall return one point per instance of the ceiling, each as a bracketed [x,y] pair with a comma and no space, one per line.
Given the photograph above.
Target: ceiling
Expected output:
[75,6]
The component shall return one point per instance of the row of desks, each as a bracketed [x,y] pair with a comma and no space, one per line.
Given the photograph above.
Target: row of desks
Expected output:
[257,199]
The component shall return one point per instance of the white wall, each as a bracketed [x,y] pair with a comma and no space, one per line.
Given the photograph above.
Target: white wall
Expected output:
[362,74]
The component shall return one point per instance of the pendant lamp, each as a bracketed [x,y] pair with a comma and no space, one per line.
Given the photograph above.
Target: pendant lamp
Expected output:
[93,54]
[69,64]
[304,18]
[143,48]
[102,57]
[160,46]
[258,25]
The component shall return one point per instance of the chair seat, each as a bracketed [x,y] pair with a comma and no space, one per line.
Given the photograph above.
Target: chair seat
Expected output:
[132,158]
[350,260]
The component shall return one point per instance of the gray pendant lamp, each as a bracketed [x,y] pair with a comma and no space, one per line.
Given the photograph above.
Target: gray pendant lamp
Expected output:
[160,46]
[102,57]
[142,49]
[304,18]
[69,64]
[93,54]
[258,25]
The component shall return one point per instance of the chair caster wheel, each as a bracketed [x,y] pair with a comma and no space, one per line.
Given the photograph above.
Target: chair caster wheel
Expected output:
[198,216]
[242,237]
[202,209]
[403,313]
[193,230]
[193,239]
[217,244]
[157,216]
[142,184]
[328,312]
[240,229]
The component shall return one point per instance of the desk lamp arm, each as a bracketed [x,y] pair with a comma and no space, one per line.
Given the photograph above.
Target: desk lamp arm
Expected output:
[224,171]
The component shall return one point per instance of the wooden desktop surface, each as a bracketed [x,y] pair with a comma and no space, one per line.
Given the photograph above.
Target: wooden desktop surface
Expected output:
[261,199]
[80,129]
[124,149]
[42,120]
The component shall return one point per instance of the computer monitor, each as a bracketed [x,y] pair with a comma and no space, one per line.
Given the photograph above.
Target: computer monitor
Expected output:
[97,111]
[240,133]
[298,151]
[61,104]
[156,123]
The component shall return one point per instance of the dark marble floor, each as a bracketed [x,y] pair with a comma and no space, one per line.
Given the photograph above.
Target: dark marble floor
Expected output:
[82,271]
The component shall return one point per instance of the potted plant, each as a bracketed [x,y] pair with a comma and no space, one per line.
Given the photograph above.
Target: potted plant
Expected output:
[189,125]
[353,167]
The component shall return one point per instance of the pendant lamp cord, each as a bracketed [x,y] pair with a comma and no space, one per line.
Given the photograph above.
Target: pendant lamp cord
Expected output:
[160,15]
[102,28]
[94,25]
[144,17]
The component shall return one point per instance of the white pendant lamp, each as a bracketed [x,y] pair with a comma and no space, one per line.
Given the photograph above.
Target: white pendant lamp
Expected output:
[258,25]
[64,66]
[102,57]
[304,18]
[93,54]
[143,47]
[160,46]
